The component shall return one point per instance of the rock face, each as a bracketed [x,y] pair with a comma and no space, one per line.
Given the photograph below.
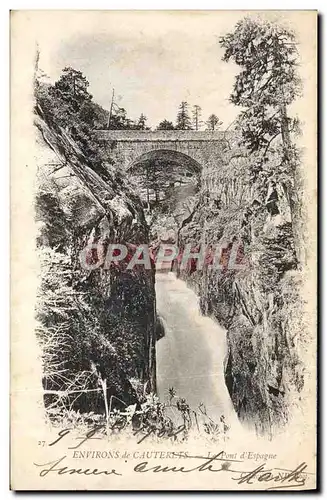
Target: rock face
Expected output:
[259,305]
[97,326]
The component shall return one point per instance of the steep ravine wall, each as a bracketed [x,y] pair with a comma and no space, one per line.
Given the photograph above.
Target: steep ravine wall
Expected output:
[259,305]
[98,325]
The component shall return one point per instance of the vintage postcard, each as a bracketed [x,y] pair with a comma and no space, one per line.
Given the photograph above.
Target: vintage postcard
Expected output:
[163,250]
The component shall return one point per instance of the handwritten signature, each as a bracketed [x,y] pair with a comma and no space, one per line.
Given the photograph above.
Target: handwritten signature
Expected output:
[273,478]
[217,463]
[64,469]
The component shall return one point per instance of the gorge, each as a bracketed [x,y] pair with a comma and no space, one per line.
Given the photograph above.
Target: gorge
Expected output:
[226,341]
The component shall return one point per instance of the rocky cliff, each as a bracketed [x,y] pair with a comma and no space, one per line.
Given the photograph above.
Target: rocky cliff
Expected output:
[96,327]
[258,304]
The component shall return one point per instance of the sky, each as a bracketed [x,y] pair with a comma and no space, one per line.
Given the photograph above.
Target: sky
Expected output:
[152,60]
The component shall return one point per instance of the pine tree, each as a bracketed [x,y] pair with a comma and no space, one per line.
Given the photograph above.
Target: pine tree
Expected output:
[183,121]
[196,112]
[268,82]
[72,87]
[265,86]
[141,122]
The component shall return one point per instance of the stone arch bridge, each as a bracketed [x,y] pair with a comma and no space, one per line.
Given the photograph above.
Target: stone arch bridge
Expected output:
[193,150]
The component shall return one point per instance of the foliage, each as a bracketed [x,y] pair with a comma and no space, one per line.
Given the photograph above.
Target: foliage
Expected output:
[67,104]
[265,86]
[120,121]
[267,52]
[70,105]
[196,115]
[166,125]
[141,123]
[183,121]
[66,325]
[72,88]
[86,336]
[213,122]
[268,82]
[151,420]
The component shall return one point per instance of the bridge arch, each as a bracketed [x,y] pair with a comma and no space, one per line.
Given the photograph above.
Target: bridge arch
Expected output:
[184,161]
[126,147]
[164,176]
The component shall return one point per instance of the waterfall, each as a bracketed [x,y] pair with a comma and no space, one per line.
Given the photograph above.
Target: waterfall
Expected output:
[190,356]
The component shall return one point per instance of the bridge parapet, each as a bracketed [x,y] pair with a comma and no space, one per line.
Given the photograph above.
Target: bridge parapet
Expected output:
[196,149]
[161,135]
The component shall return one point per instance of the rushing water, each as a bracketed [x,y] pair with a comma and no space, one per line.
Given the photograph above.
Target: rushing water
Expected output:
[191,354]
